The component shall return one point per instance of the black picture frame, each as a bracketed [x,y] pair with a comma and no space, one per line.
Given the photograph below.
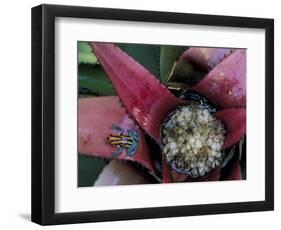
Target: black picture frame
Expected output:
[43,110]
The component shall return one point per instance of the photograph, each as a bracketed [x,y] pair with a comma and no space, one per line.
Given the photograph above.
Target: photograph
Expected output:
[140,114]
[160,113]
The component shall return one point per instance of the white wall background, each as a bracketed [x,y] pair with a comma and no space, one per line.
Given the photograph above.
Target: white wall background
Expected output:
[15,113]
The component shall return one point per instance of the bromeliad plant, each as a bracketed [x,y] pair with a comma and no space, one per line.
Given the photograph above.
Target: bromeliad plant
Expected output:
[190,127]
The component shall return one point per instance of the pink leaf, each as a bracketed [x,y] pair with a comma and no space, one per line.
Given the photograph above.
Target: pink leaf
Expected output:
[225,85]
[235,122]
[206,58]
[96,117]
[118,172]
[166,176]
[146,100]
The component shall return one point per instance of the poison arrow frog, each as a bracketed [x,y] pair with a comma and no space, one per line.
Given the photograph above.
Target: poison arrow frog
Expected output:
[124,140]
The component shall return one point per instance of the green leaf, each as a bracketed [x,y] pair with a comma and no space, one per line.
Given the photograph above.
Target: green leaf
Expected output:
[93,80]
[147,55]
[236,152]
[228,155]
[176,88]
[241,150]
[85,54]
[168,56]
[89,169]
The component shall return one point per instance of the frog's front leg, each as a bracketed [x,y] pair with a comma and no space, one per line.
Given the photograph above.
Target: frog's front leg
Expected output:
[117,128]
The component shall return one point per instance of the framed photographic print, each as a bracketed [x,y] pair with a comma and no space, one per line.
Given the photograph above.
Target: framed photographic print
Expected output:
[142,114]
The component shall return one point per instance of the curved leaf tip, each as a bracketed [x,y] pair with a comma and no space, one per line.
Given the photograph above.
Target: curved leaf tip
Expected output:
[145,98]
[225,85]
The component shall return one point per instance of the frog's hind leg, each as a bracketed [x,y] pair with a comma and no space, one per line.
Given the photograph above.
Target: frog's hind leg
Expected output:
[117,152]
[132,150]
